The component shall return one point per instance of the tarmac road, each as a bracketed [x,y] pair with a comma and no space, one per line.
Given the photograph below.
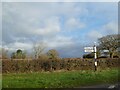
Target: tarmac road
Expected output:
[107,86]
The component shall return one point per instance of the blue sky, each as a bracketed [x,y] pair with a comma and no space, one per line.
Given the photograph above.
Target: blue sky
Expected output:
[64,26]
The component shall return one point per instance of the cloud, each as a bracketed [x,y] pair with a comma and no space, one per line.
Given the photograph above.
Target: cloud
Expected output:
[58,41]
[107,29]
[73,23]
[51,43]
[21,23]
[31,20]
[32,11]
[52,26]
[110,28]
[94,35]
[18,45]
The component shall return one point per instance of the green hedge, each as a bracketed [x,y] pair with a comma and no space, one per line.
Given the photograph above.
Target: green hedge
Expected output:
[59,64]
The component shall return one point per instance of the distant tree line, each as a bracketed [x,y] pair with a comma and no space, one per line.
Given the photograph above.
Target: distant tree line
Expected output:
[109,42]
[38,53]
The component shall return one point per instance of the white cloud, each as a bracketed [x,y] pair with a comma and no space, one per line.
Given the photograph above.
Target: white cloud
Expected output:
[59,41]
[51,43]
[73,23]
[52,26]
[94,35]
[107,29]
[36,19]
[18,45]
[31,20]
[26,26]
[39,11]
[110,28]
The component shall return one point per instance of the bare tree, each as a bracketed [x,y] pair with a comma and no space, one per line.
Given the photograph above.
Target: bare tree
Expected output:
[4,53]
[39,49]
[109,42]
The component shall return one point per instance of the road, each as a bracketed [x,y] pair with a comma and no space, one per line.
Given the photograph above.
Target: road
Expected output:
[108,86]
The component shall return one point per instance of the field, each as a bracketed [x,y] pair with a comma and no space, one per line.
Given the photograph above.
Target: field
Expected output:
[60,79]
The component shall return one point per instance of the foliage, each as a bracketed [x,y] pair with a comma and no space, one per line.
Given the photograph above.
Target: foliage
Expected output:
[19,54]
[109,42]
[53,54]
[43,57]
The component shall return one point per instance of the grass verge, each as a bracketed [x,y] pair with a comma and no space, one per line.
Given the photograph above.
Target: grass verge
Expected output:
[63,79]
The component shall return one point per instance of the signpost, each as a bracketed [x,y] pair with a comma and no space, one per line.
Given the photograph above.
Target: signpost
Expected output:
[92,49]
[95,56]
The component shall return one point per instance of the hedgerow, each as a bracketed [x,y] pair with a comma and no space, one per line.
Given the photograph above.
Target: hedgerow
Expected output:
[56,64]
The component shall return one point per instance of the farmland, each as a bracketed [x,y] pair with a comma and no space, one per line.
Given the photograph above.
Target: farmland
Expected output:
[60,79]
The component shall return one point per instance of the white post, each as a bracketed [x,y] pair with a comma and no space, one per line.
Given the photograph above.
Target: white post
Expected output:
[95,55]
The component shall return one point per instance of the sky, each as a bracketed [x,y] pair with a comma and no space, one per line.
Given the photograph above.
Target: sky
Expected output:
[67,27]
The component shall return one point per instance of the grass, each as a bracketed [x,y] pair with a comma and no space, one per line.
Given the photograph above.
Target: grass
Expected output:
[63,79]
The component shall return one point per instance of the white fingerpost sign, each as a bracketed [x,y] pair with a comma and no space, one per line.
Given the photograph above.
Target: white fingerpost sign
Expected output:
[88,49]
